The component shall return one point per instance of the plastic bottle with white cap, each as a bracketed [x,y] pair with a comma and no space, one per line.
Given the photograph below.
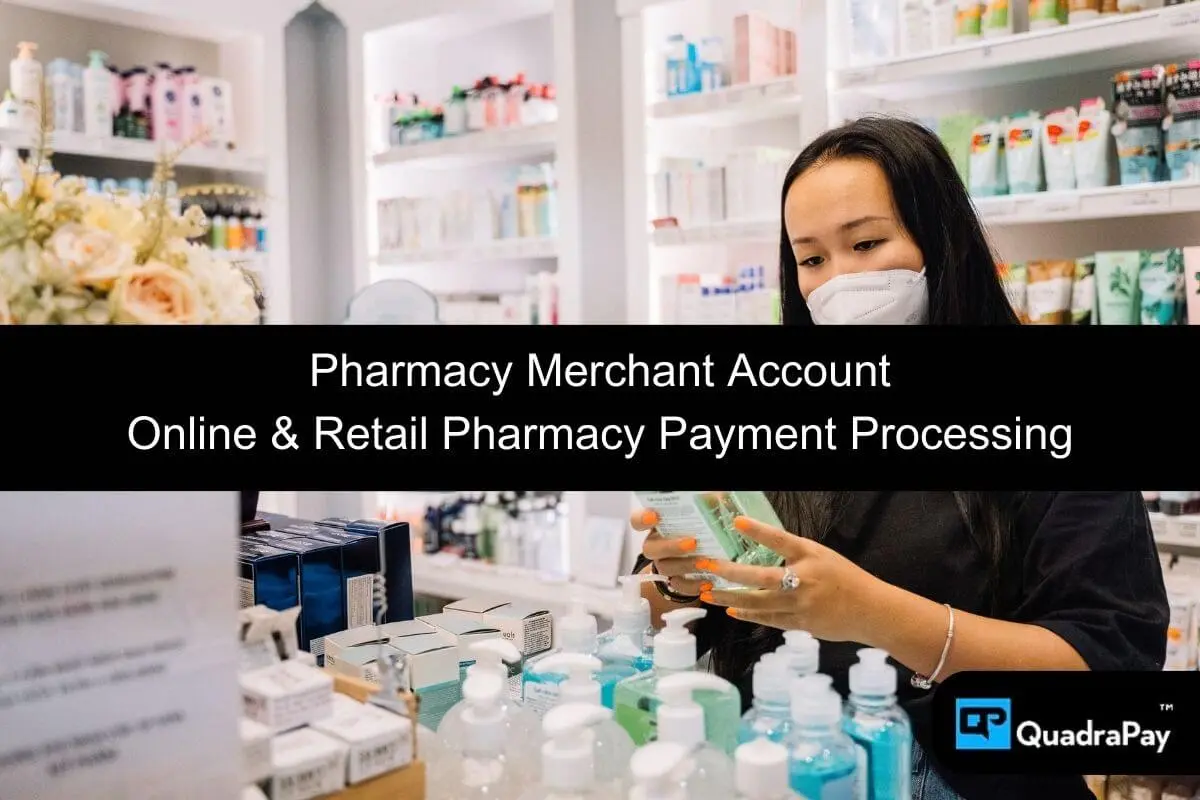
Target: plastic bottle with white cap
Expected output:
[659,772]
[880,728]
[770,716]
[823,760]
[522,728]
[613,746]
[636,699]
[628,646]
[683,719]
[575,633]
[761,771]
[803,652]
[484,769]
[569,765]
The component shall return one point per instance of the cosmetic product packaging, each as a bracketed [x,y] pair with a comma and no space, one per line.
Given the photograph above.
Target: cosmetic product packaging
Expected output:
[377,741]
[755,49]
[269,576]
[998,19]
[256,750]
[433,674]
[360,566]
[60,81]
[396,549]
[1058,149]
[1023,153]
[340,642]
[1179,633]
[466,631]
[307,764]
[1049,288]
[969,21]
[1047,14]
[323,608]
[286,695]
[1139,106]
[1191,275]
[25,76]
[528,627]
[1092,159]
[1117,300]
[988,170]
[137,96]
[1161,287]
[1182,123]
[218,111]
[916,32]
[1083,292]
[166,105]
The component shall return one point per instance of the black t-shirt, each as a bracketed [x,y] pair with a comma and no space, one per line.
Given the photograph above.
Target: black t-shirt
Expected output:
[1081,564]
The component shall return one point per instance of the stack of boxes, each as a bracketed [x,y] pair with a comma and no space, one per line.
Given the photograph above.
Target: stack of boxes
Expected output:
[762,52]
[745,188]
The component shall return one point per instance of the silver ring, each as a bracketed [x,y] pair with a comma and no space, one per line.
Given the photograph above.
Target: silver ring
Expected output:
[789,582]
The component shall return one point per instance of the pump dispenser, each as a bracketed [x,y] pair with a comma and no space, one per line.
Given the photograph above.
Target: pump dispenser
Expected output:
[659,771]
[761,771]
[575,633]
[684,720]
[822,758]
[770,715]
[25,82]
[571,766]
[483,769]
[631,636]
[803,652]
[97,97]
[880,728]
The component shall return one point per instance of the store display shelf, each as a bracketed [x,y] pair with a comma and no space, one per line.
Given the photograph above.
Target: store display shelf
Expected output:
[723,232]
[454,578]
[1088,204]
[1114,42]
[631,8]
[736,105]
[119,149]
[502,250]
[1178,535]
[508,144]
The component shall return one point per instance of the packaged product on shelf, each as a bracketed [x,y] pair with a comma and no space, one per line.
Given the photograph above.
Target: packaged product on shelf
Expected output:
[306,764]
[943,18]
[10,112]
[872,30]
[1117,287]
[218,112]
[321,590]
[969,21]
[256,750]
[1047,14]
[1014,278]
[998,18]
[60,81]
[1023,153]
[1082,11]
[1049,291]
[25,75]
[342,642]
[1182,123]
[1181,654]
[1161,287]
[1083,291]
[681,73]
[988,173]
[916,31]
[1191,277]
[1091,144]
[1138,108]
[166,105]
[528,627]
[711,63]
[376,740]
[286,695]
[956,131]
[762,51]
[360,566]
[466,631]
[268,576]
[1058,149]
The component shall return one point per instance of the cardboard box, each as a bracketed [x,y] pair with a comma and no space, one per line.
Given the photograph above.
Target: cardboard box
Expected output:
[323,608]
[338,643]
[306,764]
[396,546]
[528,627]
[755,49]
[378,741]
[256,751]
[466,630]
[360,566]
[433,674]
[268,576]
[286,695]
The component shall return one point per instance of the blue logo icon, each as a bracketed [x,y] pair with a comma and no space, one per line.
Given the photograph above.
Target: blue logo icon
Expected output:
[983,723]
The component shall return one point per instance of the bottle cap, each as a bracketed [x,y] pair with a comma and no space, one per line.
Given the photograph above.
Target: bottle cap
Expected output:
[579,686]
[814,701]
[680,718]
[484,731]
[632,616]
[761,769]
[490,657]
[26,49]
[872,675]
[658,769]
[577,630]
[803,651]
[771,678]
[675,646]
[569,754]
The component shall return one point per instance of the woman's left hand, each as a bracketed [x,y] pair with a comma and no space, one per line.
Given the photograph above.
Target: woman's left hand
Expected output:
[833,598]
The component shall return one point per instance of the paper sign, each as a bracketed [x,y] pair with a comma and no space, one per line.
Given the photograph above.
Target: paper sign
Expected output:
[600,552]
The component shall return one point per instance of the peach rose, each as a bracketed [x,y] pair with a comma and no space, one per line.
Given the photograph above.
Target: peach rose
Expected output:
[95,257]
[156,294]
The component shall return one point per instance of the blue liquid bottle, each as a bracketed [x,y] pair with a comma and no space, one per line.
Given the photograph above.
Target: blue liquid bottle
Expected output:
[627,648]
[770,716]
[880,728]
[576,633]
[822,760]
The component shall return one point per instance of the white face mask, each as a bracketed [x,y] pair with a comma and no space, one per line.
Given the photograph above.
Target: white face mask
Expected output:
[887,297]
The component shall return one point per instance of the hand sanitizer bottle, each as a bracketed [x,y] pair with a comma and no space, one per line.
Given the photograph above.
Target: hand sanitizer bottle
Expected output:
[483,770]
[614,748]
[880,728]
[770,716]
[659,771]
[627,648]
[571,768]
[636,699]
[803,653]
[684,720]
[822,758]
[576,634]
[761,771]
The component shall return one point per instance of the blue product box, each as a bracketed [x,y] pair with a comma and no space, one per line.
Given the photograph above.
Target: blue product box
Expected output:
[268,576]
[360,565]
[396,545]
[322,607]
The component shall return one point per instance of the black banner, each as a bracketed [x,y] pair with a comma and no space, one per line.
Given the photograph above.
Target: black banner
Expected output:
[593,408]
[1086,723]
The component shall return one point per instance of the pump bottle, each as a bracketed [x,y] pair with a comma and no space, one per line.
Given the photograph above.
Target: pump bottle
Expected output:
[761,771]
[636,699]
[97,97]
[803,653]
[614,748]
[659,772]
[822,758]
[880,728]
[770,715]
[576,634]
[570,767]
[683,720]
[484,771]
[25,82]
[627,648]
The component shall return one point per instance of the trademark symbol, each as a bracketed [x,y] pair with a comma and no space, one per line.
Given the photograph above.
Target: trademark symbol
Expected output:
[1166,706]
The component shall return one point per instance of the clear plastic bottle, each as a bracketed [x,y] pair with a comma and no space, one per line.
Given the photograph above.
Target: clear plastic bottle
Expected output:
[682,720]
[659,772]
[770,716]
[627,647]
[572,767]
[761,771]
[576,633]
[484,770]
[803,653]
[636,699]
[822,759]
[880,728]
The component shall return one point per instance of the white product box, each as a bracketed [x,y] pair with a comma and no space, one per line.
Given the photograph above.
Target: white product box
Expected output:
[528,627]
[377,740]
[465,630]
[286,695]
[256,750]
[253,793]
[218,111]
[306,764]
[337,643]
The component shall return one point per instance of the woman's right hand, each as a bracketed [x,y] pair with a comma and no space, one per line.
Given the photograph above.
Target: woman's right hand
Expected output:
[672,557]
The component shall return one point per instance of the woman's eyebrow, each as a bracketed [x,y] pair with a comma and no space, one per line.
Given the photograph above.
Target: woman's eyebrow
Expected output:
[844,227]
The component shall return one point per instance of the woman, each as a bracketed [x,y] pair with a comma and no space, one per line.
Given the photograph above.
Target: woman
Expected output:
[878,228]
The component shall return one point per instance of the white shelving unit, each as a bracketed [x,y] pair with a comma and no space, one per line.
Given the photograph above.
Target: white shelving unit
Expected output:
[530,141]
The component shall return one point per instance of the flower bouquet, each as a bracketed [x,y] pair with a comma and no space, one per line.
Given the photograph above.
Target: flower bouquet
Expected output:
[70,257]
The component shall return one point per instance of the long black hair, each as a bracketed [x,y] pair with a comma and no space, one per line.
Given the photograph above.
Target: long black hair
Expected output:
[964,289]
[933,206]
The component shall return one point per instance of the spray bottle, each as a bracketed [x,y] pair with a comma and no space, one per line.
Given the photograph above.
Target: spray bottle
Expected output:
[762,771]
[823,759]
[25,82]
[803,653]
[659,772]
[684,718]
[576,633]
[770,716]
[613,747]
[629,644]
[483,769]
[570,764]
[880,728]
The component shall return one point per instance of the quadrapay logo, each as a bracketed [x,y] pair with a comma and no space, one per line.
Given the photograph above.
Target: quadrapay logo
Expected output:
[987,724]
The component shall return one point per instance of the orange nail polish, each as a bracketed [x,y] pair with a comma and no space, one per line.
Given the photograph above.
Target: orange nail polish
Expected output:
[706,587]
[706,597]
[731,612]
[687,545]
[704,564]
[741,523]
[649,517]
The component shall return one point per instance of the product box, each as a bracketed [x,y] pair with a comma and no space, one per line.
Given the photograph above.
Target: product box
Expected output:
[431,666]
[338,643]
[360,566]
[322,606]
[268,576]
[306,764]
[756,55]
[396,552]
[253,793]
[528,627]
[466,631]
[377,740]
[256,751]
[286,695]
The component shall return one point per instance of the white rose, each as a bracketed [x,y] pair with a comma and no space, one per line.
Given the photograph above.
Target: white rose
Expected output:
[96,257]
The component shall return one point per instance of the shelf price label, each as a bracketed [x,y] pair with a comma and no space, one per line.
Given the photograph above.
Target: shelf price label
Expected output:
[1181,20]
[1148,200]
[1056,206]
[858,77]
